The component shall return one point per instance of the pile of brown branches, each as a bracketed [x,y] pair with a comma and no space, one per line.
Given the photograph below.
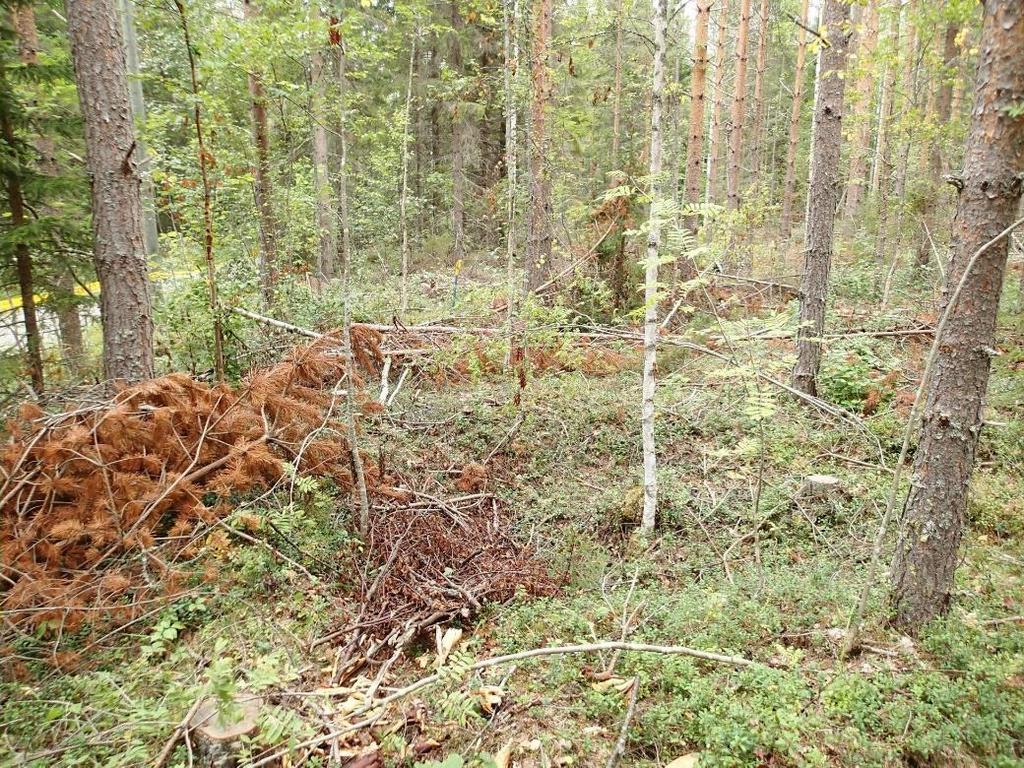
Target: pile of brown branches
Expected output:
[436,561]
[99,504]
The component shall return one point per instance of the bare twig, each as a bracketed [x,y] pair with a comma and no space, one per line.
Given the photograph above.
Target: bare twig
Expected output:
[620,745]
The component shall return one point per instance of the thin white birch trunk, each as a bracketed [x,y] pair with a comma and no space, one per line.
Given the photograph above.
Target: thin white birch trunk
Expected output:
[346,287]
[659,11]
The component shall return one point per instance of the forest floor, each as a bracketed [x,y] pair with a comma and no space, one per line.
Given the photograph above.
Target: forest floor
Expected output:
[743,563]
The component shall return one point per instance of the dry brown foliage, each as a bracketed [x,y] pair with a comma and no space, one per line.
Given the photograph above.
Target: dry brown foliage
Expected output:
[99,504]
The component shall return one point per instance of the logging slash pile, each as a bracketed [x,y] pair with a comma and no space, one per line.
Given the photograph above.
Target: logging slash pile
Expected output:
[100,504]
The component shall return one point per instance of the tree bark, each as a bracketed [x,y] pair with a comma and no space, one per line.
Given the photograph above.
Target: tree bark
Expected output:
[69,322]
[323,214]
[739,100]
[617,87]
[538,255]
[715,133]
[22,256]
[822,192]
[882,170]
[789,186]
[698,79]
[659,19]
[880,166]
[459,144]
[403,200]
[935,514]
[150,233]
[937,165]
[757,134]
[944,97]
[262,184]
[118,251]
[862,96]
[511,72]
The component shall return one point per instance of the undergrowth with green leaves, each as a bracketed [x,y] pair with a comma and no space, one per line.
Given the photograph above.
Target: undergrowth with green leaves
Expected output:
[743,563]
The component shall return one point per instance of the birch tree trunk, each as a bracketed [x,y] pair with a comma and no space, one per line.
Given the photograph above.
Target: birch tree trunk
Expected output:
[757,134]
[659,18]
[323,213]
[118,251]
[861,102]
[362,498]
[739,100]
[936,510]
[789,185]
[822,192]
[403,200]
[698,79]
[262,186]
[538,255]
[715,137]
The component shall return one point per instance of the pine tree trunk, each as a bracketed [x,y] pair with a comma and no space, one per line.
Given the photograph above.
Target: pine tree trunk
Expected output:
[459,144]
[944,97]
[757,134]
[718,97]
[822,193]
[860,107]
[323,214]
[881,168]
[403,200]
[262,184]
[936,510]
[659,19]
[617,87]
[739,101]
[698,79]
[150,233]
[69,322]
[118,250]
[789,186]
[511,71]
[538,255]
[943,108]
[909,98]
[22,256]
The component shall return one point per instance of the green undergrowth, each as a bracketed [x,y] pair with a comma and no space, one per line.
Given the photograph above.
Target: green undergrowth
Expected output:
[743,563]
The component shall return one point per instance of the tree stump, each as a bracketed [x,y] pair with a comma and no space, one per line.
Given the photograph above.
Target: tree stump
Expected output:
[821,487]
[217,743]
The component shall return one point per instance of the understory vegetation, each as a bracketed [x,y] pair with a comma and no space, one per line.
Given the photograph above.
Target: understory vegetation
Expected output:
[746,563]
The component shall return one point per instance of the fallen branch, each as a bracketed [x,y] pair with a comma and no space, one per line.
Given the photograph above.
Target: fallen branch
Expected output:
[177,733]
[378,705]
[620,745]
